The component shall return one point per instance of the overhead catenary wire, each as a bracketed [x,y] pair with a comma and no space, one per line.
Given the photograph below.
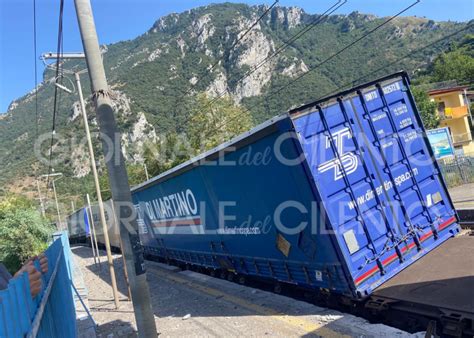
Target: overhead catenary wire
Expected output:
[357,81]
[228,51]
[361,79]
[342,50]
[318,65]
[280,49]
[35,68]
[55,102]
[285,45]
[37,117]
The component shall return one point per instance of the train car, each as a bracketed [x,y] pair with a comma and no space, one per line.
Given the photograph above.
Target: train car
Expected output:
[110,219]
[78,226]
[339,195]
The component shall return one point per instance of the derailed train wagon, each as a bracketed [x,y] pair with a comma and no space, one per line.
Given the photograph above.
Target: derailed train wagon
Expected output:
[78,226]
[340,195]
[80,223]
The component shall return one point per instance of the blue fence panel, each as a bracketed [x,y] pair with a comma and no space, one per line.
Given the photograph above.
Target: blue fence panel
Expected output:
[51,313]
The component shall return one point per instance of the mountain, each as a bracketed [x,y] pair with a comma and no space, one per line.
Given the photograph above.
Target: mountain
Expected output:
[196,51]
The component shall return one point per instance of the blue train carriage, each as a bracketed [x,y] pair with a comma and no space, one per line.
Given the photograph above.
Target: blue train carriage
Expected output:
[110,219]
[78,226]
[340,195]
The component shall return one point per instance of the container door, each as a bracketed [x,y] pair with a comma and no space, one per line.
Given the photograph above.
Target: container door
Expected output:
[382,192]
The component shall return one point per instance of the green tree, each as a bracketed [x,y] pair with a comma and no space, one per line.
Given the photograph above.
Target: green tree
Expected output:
[215,121]
[171,150]
[454,65]
[426,107]
[23,231]
[136,174]
[211,122]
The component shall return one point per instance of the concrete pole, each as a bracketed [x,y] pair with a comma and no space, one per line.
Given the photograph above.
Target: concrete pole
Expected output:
[123,257]
[99,195]
[118,178]
[40,199]
[146,171]
[59,226]
[89,217]
[93,233]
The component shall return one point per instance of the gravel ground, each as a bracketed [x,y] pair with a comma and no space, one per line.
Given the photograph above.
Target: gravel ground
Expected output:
[189,304]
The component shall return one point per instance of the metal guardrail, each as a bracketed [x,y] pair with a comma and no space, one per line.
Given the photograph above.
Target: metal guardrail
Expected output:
[51,313]
[457,170]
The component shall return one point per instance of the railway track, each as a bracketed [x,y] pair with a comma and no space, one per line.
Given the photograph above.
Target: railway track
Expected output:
[466,218]
[434,294]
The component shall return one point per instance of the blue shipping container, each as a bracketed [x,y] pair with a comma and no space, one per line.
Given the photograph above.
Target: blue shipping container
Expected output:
[340,194]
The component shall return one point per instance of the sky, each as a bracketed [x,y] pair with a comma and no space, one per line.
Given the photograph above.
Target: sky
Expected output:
[118,20]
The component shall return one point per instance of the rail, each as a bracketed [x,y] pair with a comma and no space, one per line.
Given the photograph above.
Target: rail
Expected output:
[51,313]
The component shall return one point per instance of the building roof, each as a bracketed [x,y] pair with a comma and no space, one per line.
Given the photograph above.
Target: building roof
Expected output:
[447,90]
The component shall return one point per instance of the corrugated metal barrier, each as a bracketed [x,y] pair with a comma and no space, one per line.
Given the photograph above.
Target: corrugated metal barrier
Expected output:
[49,314]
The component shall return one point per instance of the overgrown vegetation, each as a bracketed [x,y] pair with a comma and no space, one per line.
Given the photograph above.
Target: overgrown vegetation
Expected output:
[457,63]
[211,122]
[23,231]
[426,107]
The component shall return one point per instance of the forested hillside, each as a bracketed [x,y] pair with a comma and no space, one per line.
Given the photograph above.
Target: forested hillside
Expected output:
[156,78]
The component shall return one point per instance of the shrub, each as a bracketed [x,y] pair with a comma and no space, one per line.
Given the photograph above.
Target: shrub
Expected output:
[23,232]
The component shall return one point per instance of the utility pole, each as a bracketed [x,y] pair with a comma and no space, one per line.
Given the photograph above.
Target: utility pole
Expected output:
[40,199]
[55,196]
[99,195]
[93,233]
[117,173]
[123,257]
[57,206]
[103,221]
[146,171]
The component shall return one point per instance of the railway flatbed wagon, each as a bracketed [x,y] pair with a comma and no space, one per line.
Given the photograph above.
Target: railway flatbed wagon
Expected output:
[437,288]
[339,195]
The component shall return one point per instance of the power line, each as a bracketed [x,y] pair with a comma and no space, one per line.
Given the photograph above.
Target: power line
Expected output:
[281,48]
[323,62]
[55,104]
[36,102]
[230,49]
[357,81]
[35,67]
[286,44]
[346,47]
